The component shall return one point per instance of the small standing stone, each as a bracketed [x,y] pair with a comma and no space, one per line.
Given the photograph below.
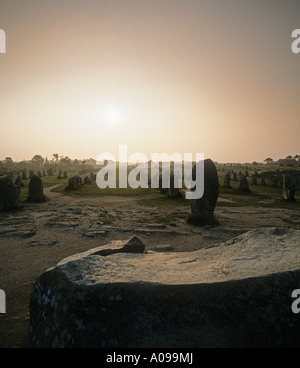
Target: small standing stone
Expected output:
[36,190]
[226,183]
[87,180]
[243,185]
[289,188]
[174,191]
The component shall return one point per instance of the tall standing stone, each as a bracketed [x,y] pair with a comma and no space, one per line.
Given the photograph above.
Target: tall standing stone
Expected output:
[174,191]
[9,194]
[203,208]
[36,190]
[289,188]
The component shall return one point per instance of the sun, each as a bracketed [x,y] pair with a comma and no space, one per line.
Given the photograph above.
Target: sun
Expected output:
[112,116]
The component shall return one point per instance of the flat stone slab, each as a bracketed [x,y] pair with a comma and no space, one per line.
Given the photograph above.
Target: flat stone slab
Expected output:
[233,294]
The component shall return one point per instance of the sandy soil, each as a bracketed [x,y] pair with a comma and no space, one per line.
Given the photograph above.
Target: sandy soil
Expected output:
[40,235]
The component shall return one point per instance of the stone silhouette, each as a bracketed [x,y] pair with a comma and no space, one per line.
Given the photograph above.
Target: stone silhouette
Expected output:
[274,180]
[226,183]
[18,181]
[254,180]
[74,183]
[203,208]
[289,188]
[243,185]
[36,190]
[24,174]
[87,180]
[9,194]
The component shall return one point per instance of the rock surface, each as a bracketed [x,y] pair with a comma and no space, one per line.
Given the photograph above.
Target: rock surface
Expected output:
[232,294]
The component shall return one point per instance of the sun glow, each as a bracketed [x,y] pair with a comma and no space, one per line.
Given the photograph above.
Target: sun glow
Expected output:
[112,116]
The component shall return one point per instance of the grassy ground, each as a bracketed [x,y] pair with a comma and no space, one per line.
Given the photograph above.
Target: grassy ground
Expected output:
[263,196]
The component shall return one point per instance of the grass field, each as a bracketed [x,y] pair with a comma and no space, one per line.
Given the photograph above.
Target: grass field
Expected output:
[263,196]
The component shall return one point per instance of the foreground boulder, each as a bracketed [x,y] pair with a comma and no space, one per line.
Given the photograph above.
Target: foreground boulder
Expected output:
[9,194]
[233,294]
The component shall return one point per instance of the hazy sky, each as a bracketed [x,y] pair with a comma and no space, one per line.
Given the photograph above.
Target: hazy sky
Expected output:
[218,77]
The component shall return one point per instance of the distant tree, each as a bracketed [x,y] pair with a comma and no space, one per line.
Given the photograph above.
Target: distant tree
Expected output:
[289,156]
[55,156]
[37,161]
[268,160]
[8,162]
[65,161]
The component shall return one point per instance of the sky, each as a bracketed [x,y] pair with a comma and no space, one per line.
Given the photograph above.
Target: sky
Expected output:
[81,77]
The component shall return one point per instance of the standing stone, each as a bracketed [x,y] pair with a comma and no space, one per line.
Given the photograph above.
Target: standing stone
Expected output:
[203,208]
[9,194]
[59,174]
[162,179]
[235,178]
[254,180]
[65,174]
[24,174]
[18,181]
[74,183]
[243,185]
[289,188]
[87,180]
[274,180]
[174,191]
[35,189]
[226,183]
[263,181]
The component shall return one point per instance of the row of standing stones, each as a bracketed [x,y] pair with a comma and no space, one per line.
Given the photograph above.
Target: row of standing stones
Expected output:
[10,192]
[202,209]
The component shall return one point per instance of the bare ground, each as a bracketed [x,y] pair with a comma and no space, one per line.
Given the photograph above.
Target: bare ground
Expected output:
[40,235]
